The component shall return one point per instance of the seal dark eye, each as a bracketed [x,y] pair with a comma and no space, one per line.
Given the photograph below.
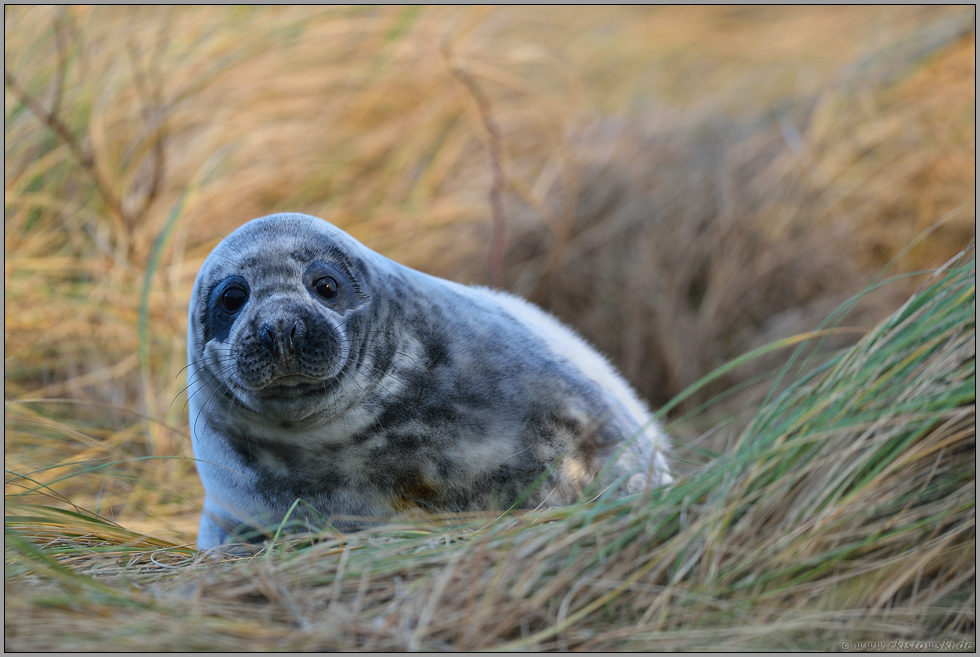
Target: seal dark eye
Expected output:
[233,298]
[326,287]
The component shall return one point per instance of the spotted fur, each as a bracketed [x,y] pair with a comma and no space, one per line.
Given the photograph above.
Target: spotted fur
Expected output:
[404,392]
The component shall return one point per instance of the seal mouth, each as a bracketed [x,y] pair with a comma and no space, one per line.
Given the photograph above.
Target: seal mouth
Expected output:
[283,386]
[291,381]
[294,387]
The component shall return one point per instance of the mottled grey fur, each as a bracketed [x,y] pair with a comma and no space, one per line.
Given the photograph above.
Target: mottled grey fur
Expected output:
[404,392]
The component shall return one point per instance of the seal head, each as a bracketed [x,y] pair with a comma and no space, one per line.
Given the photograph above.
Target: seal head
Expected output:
[328,383]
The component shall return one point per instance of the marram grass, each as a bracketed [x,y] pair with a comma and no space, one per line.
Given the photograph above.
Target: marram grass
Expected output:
[845,512]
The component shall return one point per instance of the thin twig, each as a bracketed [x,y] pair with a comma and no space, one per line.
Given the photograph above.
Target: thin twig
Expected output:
[60,24]
[82,154]
[494,141]
[153,112]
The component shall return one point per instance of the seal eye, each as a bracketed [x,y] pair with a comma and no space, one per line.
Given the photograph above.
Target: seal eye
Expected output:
[326,287]
[233,298]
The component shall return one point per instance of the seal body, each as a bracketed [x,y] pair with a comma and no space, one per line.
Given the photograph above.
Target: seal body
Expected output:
[328,383]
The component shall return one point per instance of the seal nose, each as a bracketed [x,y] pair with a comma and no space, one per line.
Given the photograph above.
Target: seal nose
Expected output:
[282,338]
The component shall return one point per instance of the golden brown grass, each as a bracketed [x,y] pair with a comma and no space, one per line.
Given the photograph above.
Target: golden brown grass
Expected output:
[682,185]
[845,512]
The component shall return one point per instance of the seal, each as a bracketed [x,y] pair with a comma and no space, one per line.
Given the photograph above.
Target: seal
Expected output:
[327,383]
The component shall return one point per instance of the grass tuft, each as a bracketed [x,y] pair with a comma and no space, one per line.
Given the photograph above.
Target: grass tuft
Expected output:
[846,511]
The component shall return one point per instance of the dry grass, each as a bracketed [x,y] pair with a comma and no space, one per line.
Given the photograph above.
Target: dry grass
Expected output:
[846,512]
[682,185]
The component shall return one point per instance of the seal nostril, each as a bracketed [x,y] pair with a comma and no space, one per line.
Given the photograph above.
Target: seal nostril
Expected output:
[296,332]
[268,339]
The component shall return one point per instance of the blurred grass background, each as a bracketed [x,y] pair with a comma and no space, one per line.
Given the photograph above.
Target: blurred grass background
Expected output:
[682,185]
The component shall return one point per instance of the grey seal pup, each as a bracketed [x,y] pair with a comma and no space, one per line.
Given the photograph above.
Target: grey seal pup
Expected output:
[329,383]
